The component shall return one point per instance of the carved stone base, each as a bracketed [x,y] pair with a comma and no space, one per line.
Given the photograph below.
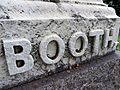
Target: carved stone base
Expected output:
[29,31]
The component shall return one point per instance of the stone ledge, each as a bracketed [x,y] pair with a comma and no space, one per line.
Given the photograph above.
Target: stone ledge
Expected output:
[100,74]
[92,2]
[28,10]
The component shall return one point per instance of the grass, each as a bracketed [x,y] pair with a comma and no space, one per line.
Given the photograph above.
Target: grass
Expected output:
[119,43]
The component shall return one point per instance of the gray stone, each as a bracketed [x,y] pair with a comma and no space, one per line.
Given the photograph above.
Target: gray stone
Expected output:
[34,20]
[44,49]
[13,55]
[99,74]
[72,44]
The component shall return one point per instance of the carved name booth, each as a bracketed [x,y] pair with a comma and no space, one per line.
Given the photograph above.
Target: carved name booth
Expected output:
[38,37]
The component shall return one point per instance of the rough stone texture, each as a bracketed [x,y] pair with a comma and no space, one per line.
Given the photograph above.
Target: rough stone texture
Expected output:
[99,74]
[35,20]
[29,10]
[100,2]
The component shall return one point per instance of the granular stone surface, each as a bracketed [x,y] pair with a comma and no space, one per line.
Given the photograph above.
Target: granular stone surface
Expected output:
[99,74]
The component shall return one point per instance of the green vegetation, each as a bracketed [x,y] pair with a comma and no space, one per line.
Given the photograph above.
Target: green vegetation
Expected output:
[115,4]
[119,43]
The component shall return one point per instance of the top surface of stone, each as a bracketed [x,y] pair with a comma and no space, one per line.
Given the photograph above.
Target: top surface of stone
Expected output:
[73,1]
[49,9]
[70,0]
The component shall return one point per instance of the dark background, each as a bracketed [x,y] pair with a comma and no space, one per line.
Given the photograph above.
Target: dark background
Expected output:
[115,4]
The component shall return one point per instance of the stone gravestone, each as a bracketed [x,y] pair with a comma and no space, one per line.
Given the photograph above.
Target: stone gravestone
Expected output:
[39,37]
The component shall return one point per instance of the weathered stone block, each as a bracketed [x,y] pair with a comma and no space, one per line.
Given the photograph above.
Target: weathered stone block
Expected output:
[60,35]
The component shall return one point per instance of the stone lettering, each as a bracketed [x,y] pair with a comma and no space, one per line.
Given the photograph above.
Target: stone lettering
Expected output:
[96,34]
[17,52]
[44,47]
[108,39]
[52,49]
[72,43]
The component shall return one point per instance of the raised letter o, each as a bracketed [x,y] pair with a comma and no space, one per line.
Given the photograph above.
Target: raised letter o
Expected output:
[72,43]
[44,47]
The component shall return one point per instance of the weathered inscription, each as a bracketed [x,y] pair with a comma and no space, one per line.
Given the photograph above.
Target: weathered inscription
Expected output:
[13,54]
[42,37]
